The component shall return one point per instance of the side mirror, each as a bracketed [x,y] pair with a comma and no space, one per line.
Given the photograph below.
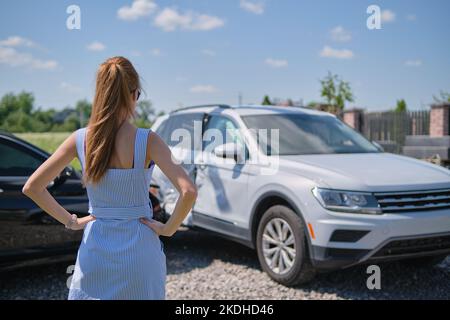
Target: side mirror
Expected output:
[229,151]
[67,172]
[378,146]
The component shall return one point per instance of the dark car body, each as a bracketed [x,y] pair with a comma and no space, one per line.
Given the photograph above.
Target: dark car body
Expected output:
[28,235]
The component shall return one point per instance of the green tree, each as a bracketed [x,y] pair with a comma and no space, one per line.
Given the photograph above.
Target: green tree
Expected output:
[18,121]
[11,103]
[43,120]
[312,104]
[145,113]
[84,110]
[266,101]
[401,106]
[16,112]
[70,123]
[25,101]
[336,91]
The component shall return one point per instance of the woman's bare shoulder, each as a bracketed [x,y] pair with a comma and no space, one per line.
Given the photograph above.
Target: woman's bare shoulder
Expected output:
[154,143]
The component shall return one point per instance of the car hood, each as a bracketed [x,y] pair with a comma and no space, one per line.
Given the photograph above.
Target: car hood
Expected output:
[373,172]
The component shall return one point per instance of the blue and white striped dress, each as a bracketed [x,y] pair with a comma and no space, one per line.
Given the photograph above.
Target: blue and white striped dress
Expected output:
[119,257]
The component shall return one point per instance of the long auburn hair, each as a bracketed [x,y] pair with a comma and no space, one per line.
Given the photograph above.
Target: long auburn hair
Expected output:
[116,83]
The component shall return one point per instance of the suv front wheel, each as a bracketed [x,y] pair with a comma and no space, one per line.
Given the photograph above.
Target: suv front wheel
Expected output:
[282,248]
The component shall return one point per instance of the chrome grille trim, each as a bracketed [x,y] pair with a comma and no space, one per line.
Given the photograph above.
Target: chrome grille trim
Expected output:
[418,192]
[413,200]
[409,200]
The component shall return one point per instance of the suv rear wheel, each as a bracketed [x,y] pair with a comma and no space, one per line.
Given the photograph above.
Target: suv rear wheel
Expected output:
[282,248]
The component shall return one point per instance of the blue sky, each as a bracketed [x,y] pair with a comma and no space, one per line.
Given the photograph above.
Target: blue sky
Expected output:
[207,51]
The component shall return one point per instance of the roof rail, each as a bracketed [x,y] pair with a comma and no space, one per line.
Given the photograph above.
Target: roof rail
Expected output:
[225,106]
[269,106]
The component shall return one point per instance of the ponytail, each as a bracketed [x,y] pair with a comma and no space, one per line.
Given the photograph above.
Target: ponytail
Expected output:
[116,82]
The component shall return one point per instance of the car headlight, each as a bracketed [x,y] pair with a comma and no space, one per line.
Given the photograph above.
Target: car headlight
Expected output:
[347,201]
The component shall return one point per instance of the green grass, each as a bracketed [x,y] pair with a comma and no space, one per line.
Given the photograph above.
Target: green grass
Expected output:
[48,141]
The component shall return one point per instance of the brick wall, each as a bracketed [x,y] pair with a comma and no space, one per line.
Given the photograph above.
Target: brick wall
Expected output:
[440,120]
[354,118]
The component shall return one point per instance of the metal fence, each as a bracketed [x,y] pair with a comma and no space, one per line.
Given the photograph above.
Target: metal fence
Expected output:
[392,127]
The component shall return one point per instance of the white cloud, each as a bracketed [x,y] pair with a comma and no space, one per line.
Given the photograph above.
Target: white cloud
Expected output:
[181,78]
[339,34]
[203,89]
[155,52]
[96,46]
[413,63]
[69,87]
[328,52]
[387,16]
[253,7]
[44,64]
[14,58]
[170,20]
[208,52]
[16,41]
[411,17]
[276,63]
[138,9]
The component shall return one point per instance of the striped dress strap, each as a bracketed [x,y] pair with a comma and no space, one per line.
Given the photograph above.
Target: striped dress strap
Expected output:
[141,147]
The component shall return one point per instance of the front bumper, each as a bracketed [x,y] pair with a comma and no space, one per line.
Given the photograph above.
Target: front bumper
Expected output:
[343,240]
[391,249]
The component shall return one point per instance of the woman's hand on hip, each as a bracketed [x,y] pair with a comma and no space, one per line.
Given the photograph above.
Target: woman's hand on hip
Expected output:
[81,222]
[158,227]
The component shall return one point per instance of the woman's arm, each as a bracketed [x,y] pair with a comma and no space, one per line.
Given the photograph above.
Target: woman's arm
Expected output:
[36,186]
[162,156]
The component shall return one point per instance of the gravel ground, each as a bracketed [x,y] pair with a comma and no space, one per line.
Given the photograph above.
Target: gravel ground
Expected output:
[204,266]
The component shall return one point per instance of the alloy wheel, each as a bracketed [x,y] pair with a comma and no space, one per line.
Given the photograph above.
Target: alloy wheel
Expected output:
[278,244]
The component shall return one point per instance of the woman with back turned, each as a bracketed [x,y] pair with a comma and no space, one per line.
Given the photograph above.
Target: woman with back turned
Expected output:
[120,255]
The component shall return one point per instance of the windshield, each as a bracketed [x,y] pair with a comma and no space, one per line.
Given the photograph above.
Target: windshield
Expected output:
[301,134]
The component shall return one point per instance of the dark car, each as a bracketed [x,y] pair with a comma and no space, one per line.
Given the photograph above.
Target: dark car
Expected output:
[28,235]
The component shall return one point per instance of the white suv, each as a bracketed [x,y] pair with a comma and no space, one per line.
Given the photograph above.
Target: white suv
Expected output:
[335,199]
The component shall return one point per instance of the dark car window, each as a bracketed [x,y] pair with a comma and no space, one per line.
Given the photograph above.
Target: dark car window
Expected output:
[183,121]
[17,161]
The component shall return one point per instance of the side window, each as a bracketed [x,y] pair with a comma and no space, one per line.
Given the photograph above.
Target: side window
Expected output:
[16,161]
[161,130]
[185,121]
[229,132]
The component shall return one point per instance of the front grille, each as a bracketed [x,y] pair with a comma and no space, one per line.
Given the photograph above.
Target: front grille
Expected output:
[414,246]
[414,200]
